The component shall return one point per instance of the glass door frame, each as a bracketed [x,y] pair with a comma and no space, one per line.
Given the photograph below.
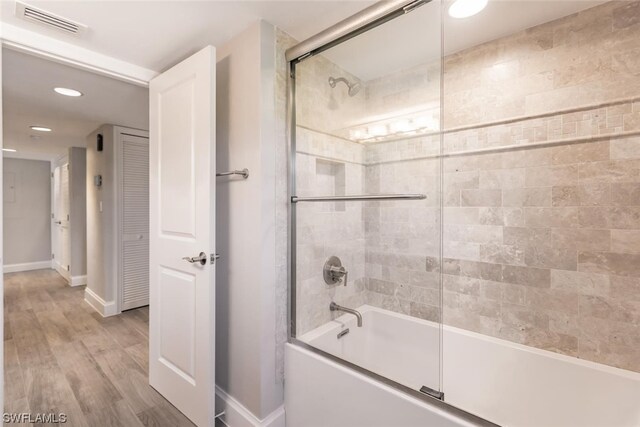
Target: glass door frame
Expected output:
[363,21]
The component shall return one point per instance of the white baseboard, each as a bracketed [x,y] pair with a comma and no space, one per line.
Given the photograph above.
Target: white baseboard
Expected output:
[61,270]
[106,309]
[78,280]
[236,415]
[27,266]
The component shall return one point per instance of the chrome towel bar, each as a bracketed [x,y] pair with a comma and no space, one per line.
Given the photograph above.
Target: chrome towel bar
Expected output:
[244,173]
[365,197]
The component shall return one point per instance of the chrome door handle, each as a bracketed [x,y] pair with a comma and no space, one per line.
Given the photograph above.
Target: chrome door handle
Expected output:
[202,259]
[58,222]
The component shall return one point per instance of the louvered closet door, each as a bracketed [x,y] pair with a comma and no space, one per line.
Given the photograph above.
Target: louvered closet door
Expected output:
[135,221]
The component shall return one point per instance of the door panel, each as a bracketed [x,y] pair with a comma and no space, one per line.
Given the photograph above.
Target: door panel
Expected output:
[177,344]
[177,197]
[182,219]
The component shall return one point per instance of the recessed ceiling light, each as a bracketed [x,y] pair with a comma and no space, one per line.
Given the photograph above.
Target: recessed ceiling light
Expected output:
[41,128]
[10,150]
[67,92]
[466,8]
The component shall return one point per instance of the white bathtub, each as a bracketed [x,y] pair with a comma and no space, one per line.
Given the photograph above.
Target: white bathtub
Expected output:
[508,384]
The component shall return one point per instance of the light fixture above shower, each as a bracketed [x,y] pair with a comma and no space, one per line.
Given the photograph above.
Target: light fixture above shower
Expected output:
[354,87]
[466,8]
[412,122]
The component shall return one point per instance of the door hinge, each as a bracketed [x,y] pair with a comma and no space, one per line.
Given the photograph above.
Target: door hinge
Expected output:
[68,267]
[53,256]
[67,217]
[431,392]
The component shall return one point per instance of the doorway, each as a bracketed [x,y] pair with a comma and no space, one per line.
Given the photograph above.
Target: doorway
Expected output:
[64,360]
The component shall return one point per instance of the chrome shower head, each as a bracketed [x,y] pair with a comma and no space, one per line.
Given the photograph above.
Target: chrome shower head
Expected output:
[354,88]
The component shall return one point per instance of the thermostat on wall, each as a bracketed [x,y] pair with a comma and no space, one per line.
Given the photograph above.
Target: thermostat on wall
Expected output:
[97,180]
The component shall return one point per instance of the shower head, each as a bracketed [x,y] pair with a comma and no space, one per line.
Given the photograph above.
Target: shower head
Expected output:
[354,88]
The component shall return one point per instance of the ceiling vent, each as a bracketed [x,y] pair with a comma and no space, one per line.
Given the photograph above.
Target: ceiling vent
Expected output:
[43,17]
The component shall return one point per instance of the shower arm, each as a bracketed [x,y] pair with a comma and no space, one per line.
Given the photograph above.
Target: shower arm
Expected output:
[334,81]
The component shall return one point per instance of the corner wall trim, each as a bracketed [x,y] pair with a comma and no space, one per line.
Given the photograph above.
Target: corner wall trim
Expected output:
[27,266]
[78,280]
[57,50]
[236,415]
[106,309]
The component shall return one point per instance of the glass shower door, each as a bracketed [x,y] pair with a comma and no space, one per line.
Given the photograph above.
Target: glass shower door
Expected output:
[366,285]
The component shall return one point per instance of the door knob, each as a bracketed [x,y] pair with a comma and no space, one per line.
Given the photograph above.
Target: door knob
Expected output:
[202,259]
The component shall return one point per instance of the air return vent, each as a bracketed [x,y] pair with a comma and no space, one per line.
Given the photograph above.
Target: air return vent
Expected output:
[43,17]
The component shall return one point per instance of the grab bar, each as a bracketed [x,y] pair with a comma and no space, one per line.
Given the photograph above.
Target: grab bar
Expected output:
[296,199]
[244,173]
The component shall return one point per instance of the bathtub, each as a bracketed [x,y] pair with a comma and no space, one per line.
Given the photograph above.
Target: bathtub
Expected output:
[506,383]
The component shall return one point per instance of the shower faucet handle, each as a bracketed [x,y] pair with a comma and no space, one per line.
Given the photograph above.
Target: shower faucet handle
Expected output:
[334,272]
[340,273]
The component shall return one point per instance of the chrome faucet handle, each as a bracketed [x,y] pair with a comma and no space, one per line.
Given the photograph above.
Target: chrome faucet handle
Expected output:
[339,274]
[345,276]
[334,272]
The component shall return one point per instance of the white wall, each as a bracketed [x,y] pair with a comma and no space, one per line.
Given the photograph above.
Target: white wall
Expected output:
[101,220]
[1,250]
[78,212]
[246,236]
[27,213]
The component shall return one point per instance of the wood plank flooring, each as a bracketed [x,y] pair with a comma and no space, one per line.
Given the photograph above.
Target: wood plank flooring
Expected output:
[62,356]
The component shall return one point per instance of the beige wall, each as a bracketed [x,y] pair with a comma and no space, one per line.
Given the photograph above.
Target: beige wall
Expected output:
[248,364]
[27,211]
[78,210]
[101,221]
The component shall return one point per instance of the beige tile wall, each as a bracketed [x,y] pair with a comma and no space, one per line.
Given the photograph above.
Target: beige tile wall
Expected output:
[540,242]
[326,165]
[540,231]
[586,58]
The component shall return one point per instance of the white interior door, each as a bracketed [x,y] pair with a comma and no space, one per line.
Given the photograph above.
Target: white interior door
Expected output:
[61,202]
[182,224]
[65,208]
[55,244]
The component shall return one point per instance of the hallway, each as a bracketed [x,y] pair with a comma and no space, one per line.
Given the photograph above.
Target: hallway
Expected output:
[63,357]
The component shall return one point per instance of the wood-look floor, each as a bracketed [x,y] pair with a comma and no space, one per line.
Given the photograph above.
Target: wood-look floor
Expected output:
[62,356]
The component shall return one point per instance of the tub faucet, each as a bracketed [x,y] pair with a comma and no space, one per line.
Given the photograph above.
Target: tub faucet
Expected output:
[335,307]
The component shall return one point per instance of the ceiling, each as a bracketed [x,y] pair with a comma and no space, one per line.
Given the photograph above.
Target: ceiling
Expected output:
[416,38]
[29,99]
[157,34]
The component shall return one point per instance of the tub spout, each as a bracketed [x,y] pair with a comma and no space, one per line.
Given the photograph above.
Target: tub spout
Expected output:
[335,307]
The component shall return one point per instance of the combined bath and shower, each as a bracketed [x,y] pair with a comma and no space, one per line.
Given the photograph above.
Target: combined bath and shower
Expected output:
[354,88]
